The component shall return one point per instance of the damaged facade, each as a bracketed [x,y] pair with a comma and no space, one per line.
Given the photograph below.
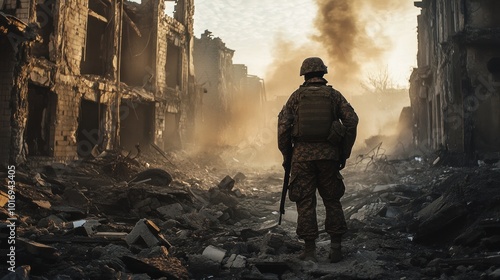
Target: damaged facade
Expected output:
[455,89]
[229,92]
[92,80]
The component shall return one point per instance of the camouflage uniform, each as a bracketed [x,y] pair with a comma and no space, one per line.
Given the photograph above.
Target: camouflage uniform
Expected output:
[315,165]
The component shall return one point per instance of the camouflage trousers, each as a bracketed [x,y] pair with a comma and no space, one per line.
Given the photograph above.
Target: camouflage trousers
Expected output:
[324,176]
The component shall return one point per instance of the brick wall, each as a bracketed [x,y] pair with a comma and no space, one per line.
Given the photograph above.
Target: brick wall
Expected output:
[71,38]
[68,102]
[5,91]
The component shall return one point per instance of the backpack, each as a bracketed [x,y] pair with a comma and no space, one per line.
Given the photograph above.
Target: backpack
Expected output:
[315,115]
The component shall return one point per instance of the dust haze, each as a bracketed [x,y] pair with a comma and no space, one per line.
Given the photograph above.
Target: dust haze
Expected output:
[351,37]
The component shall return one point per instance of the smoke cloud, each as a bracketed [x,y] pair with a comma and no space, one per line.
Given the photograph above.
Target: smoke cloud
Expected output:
[353,38]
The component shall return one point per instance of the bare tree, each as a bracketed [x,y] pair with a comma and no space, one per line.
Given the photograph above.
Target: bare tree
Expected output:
[379,82]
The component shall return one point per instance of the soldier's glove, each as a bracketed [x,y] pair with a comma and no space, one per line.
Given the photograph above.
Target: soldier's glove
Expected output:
[342,163]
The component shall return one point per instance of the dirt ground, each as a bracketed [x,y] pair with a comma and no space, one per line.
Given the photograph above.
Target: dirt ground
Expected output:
[200,216]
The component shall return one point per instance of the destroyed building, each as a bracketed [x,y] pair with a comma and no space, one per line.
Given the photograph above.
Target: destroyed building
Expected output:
[228,89]
[455,89]
[105,74]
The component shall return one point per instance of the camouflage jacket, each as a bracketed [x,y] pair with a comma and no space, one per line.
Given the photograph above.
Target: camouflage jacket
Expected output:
[307,151]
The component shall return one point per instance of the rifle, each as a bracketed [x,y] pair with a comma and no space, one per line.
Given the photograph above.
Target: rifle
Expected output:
[287,165]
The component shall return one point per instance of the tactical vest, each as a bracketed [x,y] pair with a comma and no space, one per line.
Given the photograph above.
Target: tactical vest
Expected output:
[315,115]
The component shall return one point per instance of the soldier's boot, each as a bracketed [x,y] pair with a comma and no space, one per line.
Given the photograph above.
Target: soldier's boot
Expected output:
[335,253]
[309,253]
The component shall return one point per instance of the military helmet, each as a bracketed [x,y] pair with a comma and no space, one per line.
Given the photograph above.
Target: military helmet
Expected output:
[312,64]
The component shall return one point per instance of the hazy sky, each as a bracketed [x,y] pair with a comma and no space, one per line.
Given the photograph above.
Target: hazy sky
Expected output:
[250,27]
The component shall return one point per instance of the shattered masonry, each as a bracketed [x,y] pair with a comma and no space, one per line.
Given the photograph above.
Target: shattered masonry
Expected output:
[80,71]
[455,89]
[70,82]
[228,89]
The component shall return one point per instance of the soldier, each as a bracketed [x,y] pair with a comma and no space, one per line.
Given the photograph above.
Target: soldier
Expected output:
[316,130]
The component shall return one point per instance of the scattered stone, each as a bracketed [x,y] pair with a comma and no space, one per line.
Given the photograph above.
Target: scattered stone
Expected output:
[216,197]
[273,240]
[370,210]
[158,177]
[227,184]
[171,211]
[146,233]
[239,177]
[214,253]
[437,217]
[236,261]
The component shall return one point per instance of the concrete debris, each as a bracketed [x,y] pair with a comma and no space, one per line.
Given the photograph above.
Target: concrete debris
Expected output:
[155,177]
[236,261]
[214,253]
[370,210]
[227,184]
[212,233]
[146,233]
[171,211]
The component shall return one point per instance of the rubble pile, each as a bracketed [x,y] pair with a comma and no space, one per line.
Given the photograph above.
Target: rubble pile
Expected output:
[173,217]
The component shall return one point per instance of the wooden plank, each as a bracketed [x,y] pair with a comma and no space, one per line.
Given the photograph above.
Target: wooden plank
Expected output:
[97,16]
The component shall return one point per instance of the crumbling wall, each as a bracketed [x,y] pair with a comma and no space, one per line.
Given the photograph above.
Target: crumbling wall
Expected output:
[213,71]
[82,60]
[6,83]
[174,68]
[16,37]
[453,92]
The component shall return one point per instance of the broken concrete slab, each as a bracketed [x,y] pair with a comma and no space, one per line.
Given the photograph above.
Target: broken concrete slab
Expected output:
[236,261]
[147,233]
[226,184]
[437,217]
[217,196]
[171,211]
[214,253]
[370,210]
